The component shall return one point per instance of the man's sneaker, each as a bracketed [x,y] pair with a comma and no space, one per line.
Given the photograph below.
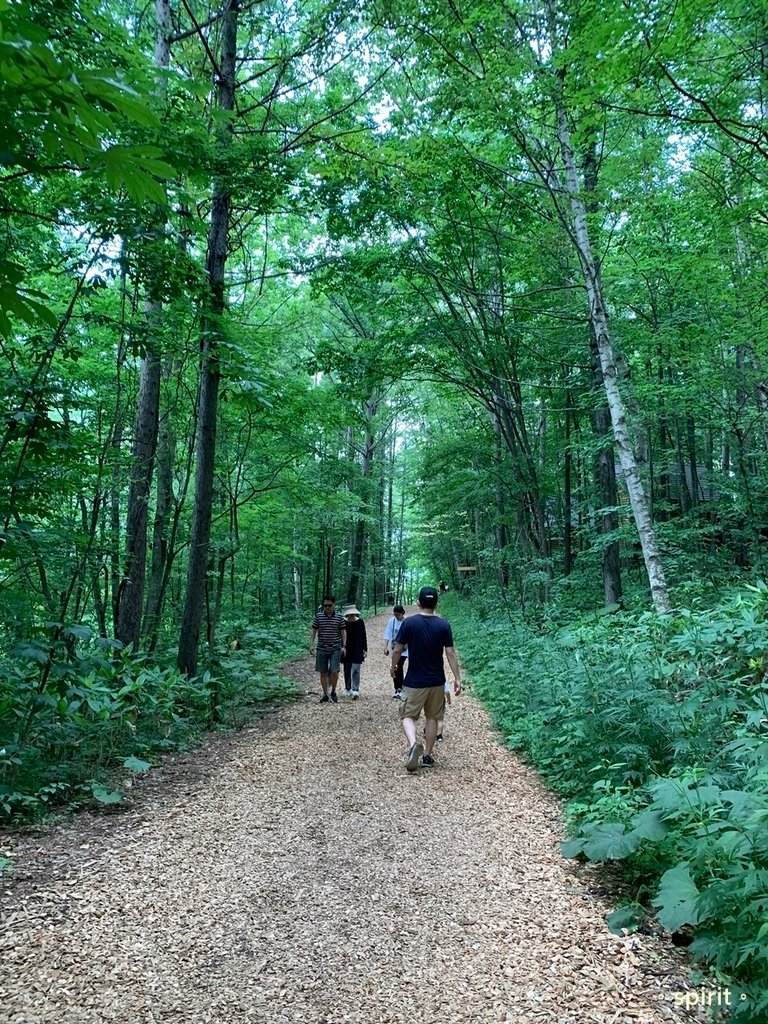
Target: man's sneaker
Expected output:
[413,757]
[324,699]
[427,761]
[334,697]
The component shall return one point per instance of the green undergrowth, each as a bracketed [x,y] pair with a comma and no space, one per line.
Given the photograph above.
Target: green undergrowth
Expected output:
[79,720]
[655,729]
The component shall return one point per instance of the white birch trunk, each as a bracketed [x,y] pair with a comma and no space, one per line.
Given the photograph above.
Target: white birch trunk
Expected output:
[599,317]
[297,588]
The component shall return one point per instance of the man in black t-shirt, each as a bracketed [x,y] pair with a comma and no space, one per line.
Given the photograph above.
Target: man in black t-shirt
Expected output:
[427,636]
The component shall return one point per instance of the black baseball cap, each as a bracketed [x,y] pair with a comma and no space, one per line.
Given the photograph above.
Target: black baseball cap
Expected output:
[428,597]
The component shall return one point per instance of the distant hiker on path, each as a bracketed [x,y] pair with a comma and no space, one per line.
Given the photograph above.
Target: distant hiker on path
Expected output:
[427,636]
[357,648]
[331,631]
[390,636]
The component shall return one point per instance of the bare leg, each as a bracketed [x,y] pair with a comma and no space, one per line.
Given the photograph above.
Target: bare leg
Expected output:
[324,683]
[409,728]
[430,734]
[334,680]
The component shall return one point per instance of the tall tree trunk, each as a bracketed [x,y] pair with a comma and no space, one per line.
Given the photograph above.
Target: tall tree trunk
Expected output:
[377,547]
[208,393]
[685,495]
[214,614]
[328,578]
[500,528]
[598,317]
[390,510]
[164,501]
[400,586]
[531,519]
[131,590]
[366,469]
[167,507]
[111,590]
[665,447]
[176,506]
[605,477]
[298,595]
[690,432]
[604,464]
[98,603]
[356,569]
[568,496]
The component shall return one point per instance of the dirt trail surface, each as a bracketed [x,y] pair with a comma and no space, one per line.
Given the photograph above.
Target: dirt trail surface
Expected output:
[296,873]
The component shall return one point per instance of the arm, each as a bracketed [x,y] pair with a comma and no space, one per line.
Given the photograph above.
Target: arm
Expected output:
[312,635]
[453,661]
[343,637]
[397,650]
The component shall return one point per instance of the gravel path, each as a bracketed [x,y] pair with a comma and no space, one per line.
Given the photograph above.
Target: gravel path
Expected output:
[296,873]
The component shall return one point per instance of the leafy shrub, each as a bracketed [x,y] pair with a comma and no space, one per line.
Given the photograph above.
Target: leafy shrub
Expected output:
[71,713]
[656,729]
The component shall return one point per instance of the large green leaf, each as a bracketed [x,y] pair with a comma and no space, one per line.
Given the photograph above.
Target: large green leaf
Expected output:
[677,898]
[105,795]
[623,919]
[649,825]
[610,842]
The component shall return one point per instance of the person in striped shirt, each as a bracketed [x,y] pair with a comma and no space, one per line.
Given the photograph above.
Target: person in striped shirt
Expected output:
[330,630]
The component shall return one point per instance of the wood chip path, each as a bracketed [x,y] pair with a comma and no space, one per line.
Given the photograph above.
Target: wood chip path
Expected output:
[295,873]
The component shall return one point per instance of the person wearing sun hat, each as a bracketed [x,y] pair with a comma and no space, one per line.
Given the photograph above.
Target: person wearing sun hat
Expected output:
[428,637]
[357,648]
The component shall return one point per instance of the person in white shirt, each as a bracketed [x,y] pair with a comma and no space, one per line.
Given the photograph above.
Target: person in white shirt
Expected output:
[390,638]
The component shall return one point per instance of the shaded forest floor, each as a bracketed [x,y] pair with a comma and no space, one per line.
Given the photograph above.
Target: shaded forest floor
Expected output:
[296,873]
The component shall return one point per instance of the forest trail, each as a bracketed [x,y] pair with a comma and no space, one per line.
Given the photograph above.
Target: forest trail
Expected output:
[297,873]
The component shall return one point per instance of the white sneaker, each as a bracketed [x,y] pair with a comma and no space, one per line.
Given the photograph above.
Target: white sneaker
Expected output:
[355,694]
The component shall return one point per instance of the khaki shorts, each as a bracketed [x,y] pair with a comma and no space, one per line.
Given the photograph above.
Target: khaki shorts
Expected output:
[429,699]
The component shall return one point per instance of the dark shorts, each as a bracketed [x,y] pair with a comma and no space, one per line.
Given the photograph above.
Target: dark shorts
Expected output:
[327,661]
[429,699]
